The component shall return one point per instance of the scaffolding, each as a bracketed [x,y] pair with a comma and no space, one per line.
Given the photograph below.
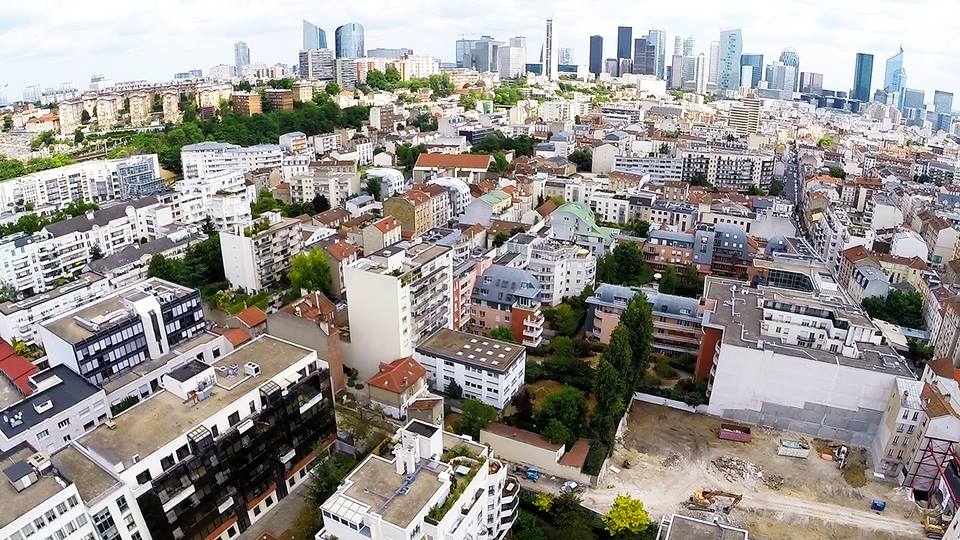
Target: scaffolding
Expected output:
[932,466]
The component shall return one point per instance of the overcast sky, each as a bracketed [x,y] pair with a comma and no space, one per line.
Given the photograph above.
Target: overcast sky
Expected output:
[49,42]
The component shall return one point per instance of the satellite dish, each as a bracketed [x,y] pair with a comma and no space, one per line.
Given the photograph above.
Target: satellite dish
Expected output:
[657,276]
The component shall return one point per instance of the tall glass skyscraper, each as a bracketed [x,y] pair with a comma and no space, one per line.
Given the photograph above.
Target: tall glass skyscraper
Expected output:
[942,102]
[625,42]
[892,75]
[596,55]
[755,61]
[658,38]
[863,77]
[349,39]
[313,37]
[241,55]
[789,57]
[728,66]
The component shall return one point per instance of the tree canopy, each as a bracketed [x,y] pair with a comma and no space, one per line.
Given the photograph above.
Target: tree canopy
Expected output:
[627,515]
[474,416]
[903,308]
[502,333]
[625,265]
[310,270]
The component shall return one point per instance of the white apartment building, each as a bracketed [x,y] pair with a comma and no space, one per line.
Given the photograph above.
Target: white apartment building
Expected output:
[337,187]
[96,181]
[421,492]
[20,320]
[392,181]
[325,143]
[611,207]
[487,369]
[563,269]
[397,297]
[659,168]
[205,158]
[223,196]
[724,168]
[458,191]
[295,142]
[258,257]
[417,66]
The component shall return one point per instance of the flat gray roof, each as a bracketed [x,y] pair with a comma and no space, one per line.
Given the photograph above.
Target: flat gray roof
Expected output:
[16,504]
[375,483]
[480,351]
[164,416]
[89,477]
[84,280]
[687,528]
[736,311]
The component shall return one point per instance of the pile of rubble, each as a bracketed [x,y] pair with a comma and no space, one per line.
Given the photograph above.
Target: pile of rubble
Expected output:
[734,468]
[671,461]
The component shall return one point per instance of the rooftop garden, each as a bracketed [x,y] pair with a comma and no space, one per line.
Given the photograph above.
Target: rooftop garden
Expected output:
[436,514]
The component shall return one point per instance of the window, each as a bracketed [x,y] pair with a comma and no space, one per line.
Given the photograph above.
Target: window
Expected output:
[216,352]
[72,501]
[910,429]
[39,523]
[256,510]
[183,452]
[61,508]
[916,415]
[234,418]
[144,477]
[122,504]
[131,523]
[269,501]
[253,407]
[215,431]
[166,462]
[43,435]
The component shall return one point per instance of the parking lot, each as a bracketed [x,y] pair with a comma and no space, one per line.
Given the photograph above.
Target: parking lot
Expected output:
[667,454]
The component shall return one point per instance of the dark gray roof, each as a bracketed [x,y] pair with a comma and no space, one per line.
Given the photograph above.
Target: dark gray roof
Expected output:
[100,217]
[135,252]
[17,471]
[502,284]
[662,234]
[188,371]
[71,389]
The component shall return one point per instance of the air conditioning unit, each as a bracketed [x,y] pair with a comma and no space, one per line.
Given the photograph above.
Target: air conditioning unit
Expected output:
[39,461]
[252,369]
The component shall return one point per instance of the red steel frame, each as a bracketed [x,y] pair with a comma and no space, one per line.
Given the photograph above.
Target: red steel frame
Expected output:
[930,451]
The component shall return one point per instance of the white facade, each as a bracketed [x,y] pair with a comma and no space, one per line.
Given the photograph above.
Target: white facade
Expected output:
[19,320]
[392,181]
[261,259]
[202,159]
[397,296]
[223,196]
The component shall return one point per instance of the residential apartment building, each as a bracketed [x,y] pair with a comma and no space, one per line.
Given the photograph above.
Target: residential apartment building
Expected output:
[396,297]
[659,168]
[487,370]
[779,353]
[21,319]
[202,159]
[508,297]
[336,187]
[246,103]
[470,167]
[382,233]
[420,491]
[575,222]
[258,257]
[223,196]
[105,339]
[279,99]
[493,205]
[96,181]
[727,169]
[413,210]
[243,429]
[677,320]
[562,269]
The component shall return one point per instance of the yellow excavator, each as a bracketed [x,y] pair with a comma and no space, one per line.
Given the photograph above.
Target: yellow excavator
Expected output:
[707,500]
[934,526]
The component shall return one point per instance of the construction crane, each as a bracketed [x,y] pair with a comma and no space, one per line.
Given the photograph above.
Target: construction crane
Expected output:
[707,500]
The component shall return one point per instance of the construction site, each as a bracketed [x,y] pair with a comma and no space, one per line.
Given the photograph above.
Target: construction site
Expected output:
[775,484]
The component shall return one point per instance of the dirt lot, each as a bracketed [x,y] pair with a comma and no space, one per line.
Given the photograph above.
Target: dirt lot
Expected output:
[671,453]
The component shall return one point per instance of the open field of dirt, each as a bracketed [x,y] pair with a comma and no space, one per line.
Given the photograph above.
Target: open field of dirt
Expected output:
[670,453]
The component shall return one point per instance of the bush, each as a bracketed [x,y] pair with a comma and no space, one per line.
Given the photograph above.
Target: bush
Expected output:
[663,370]
[596,456]
[124,404]
[534,372]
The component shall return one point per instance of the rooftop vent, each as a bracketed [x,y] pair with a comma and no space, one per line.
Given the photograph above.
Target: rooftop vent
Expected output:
[43,406]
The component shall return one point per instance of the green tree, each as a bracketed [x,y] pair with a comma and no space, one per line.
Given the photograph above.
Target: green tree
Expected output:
[243,86]
[7,122]
[776,187]
[46,138]
[583,159]
[311,271]
[700,179]
[407,155]
[209,228]
[564,319]
[625,265]
[638,227]
[903,308]
[669,281]
[626,516]
[558,433]
[638,319]
[84,117]
[499,163]
[95,252]
[374,188]
[332,88]
[608,391]
[838,172]
[468,101]
[475,416]
[78,136]
[8,293]
[453,390]
[568,406]
[500,239]
[918,352]
[320,204]
[502,333]
[167,269]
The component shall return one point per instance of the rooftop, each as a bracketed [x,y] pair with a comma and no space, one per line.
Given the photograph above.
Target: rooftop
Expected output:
[65,390]
[163,417]
[84,280]
[460,161]
[480,351]
[376,484]
[90,478]
[739,309]
[524,436]
[687,528]
[16,504]
[99,217]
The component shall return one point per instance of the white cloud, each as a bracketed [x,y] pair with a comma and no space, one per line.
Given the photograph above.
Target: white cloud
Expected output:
[47,42]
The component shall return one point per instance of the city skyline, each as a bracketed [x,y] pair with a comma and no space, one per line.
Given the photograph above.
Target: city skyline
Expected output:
[165,41]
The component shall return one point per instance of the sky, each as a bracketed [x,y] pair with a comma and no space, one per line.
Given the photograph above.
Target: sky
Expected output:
[49,42]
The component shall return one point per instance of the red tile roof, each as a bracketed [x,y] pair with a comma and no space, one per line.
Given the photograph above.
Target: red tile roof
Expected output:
[236,336]
[398,375]
[577,455]
[18,370]
[341,250]
[314,306]
[524,436]
[546,208]
[252,317]
[458,161]
[387,224]
[423,404]
[935,402]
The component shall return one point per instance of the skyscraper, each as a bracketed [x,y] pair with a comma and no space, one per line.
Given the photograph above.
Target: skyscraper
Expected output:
[565,56]
[317,64]
[677,45]
[755,61]
[893,76]
[863,77]
[241,55]
[714,70]
[700,74]
[942,102]
[728,66]
[512,58]
[596,55]
[658,39]
[624,42]
[790,57]
[811,83]
[549,67]
[349,41]
[676,71]
[689,60]
[782,78]
[644,57]
[313,37]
